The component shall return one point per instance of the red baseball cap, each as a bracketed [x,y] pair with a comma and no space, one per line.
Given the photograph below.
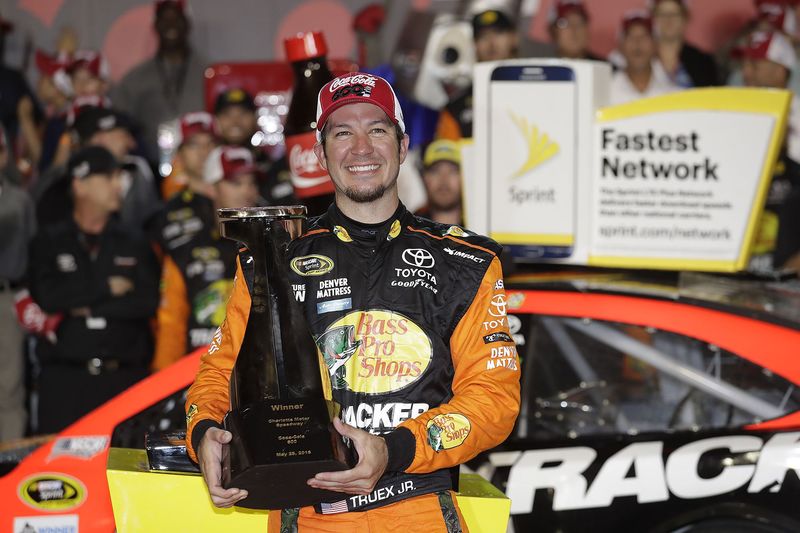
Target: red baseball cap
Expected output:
[636,16]
[227,163]
[48,65]
[561,8]
[779,15]
[772,46]
[356,87]
[194,123]
[90,60]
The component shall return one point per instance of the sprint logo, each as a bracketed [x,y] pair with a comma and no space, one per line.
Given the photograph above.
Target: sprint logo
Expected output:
[539,146]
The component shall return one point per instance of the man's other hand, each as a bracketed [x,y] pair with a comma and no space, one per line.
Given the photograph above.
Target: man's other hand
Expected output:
[373,457]
[209,456]
[119,285]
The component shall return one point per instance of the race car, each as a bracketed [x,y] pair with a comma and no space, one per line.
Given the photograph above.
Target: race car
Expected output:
[653,402]
[650,402]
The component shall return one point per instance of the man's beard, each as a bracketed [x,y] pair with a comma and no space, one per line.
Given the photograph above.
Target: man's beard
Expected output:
[362,196]
[365,197]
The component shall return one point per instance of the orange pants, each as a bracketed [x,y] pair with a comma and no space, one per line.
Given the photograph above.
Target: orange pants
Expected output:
[429,513]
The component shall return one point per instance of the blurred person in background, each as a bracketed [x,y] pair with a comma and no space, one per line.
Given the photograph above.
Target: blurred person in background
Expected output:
[441,174]
[88,74]
[104,280]
[53,93]
[642,75]
[235,117]
[13,90]
[686,65]
[771,16]
[495,38]
[112,130]
[169,84]
[768,61]
[197,274]
[189,210]
[569,29]
[195,140]
[17,228]
[236,124]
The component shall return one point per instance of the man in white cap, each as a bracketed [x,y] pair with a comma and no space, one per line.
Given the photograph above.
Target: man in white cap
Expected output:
[641,76]
[389,273]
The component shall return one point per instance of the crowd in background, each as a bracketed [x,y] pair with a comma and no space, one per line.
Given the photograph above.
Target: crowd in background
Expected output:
[112,267]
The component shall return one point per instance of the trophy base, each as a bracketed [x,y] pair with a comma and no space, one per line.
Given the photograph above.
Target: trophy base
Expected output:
[283,486]
[277,446]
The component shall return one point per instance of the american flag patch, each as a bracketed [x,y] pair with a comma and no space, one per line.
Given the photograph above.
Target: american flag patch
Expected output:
[334,508]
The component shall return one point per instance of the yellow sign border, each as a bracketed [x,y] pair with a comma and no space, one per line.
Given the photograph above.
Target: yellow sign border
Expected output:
[534,239]
[772,102]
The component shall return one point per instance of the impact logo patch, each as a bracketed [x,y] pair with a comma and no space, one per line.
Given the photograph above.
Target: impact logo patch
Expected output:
[52,492]
[447,431]
[375,351]
[312,265]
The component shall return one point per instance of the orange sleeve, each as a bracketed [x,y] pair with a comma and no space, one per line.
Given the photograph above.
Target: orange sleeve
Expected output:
[208,397]
[447,127]
[172,317]
[485,401]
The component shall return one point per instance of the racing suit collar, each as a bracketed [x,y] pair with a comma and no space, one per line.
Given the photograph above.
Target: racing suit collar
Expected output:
[347,230]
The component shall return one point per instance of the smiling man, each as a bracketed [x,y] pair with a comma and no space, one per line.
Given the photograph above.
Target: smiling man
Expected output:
[428,377]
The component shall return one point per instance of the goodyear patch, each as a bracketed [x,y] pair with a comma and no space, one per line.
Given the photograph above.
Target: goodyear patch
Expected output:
[447,431]
[312,265]
[52,492]
[190,413]
[497,336]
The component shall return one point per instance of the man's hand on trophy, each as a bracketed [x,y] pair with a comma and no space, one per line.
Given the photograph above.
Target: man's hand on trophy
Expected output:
[209,455]
[373,457]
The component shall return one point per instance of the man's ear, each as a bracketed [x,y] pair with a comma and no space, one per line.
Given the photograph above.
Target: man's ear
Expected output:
[404,148]
[319,151]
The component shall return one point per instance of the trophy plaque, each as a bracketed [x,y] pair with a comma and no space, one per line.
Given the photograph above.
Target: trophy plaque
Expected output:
[279,417]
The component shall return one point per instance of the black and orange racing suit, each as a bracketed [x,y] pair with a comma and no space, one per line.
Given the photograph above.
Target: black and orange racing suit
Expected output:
[196,277]
[410,317]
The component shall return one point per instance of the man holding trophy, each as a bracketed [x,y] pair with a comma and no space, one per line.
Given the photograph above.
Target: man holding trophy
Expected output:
[420,373]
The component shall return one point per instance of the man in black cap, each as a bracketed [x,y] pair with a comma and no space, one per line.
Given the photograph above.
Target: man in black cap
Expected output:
[495,38]
[169,84]
[236,123]
[112,130]
[104,279]
[235,114]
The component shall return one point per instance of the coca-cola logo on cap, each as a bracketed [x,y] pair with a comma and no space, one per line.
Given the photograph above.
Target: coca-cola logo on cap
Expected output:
[358,79]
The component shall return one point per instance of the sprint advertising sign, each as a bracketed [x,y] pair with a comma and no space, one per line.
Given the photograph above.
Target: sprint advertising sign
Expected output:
[532,155]
[675,182]
[678,181]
